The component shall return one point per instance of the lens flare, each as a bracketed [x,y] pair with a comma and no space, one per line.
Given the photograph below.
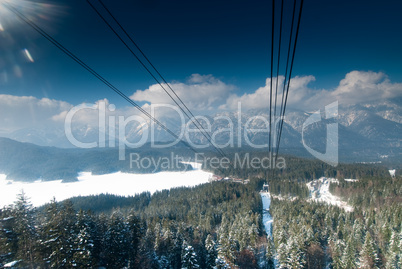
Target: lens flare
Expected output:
[28,55]
[36,11]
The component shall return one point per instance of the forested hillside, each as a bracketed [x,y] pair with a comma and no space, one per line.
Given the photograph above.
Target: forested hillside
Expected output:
[200,227]
[217,225]
[312,235]
[29,162]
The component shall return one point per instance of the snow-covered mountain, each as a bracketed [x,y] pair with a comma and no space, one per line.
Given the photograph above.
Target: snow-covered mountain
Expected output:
[371,131]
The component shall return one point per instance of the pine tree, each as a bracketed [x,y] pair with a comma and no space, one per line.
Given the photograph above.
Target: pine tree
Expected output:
[282,255]
[134,237]
[400,249]
[368,255]
[83,243]
[349,255]
[211,254]
[99,231]
[189,257]
[221,263]
[177,249]
[253,235]
[394,252]
[295,258]
[58,233]
[163,262]
[270,255]
[8,236]
[337,247]
[147,257]
[116,242]
[25,229]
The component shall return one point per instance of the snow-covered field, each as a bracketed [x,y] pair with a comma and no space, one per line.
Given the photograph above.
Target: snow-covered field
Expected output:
[117,183]
[266,217]
[319,191]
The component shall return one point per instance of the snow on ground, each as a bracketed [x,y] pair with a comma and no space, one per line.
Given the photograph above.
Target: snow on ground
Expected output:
[11,264]
[351,180]
[319,191]
[124,184]
[392,172]
[267,219]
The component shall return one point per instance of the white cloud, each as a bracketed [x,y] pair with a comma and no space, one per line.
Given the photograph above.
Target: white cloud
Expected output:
[260,98]
[26,111]
[200,92]
[356,87]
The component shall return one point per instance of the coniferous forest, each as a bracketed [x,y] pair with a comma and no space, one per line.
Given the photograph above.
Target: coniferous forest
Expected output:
[216,225]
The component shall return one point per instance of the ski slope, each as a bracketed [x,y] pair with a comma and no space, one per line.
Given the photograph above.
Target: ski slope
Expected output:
[319,192]
[266,216]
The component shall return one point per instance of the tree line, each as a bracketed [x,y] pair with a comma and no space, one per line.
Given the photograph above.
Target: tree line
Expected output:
[210,226]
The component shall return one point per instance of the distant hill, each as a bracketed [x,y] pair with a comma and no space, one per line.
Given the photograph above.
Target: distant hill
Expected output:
[368,132]
[29,162]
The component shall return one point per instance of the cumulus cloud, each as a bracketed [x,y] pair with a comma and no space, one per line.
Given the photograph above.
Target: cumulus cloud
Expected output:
[199,92]
[26,111]
[260,98]
[356,87]
[360,86]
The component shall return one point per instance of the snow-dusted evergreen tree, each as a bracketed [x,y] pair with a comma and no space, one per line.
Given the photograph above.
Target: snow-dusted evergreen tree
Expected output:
[163,262]
[116,242]
[59,234]
[282,255]
[8,237]
[84,243]
[134,229]
[158,236]
[337,247]
[309,235]
[24,227]
[295,252]
[177,249]
[189,257]
[394,252]
[349,255]
[223,245]
[146,252]
[400,249]
[358,232]
[51,231]
[270,255]
[221,263]
[211,253]
[233,248]
[253,235]
[368,255]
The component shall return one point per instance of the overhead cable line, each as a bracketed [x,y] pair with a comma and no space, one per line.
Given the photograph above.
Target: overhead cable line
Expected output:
[93,72]
[272,67]
[192,118]
[279,59]
[287,68]
[290,73]
[273,156]
[98,76]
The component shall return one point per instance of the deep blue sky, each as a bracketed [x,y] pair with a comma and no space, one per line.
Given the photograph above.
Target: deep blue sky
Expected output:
[228,39]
